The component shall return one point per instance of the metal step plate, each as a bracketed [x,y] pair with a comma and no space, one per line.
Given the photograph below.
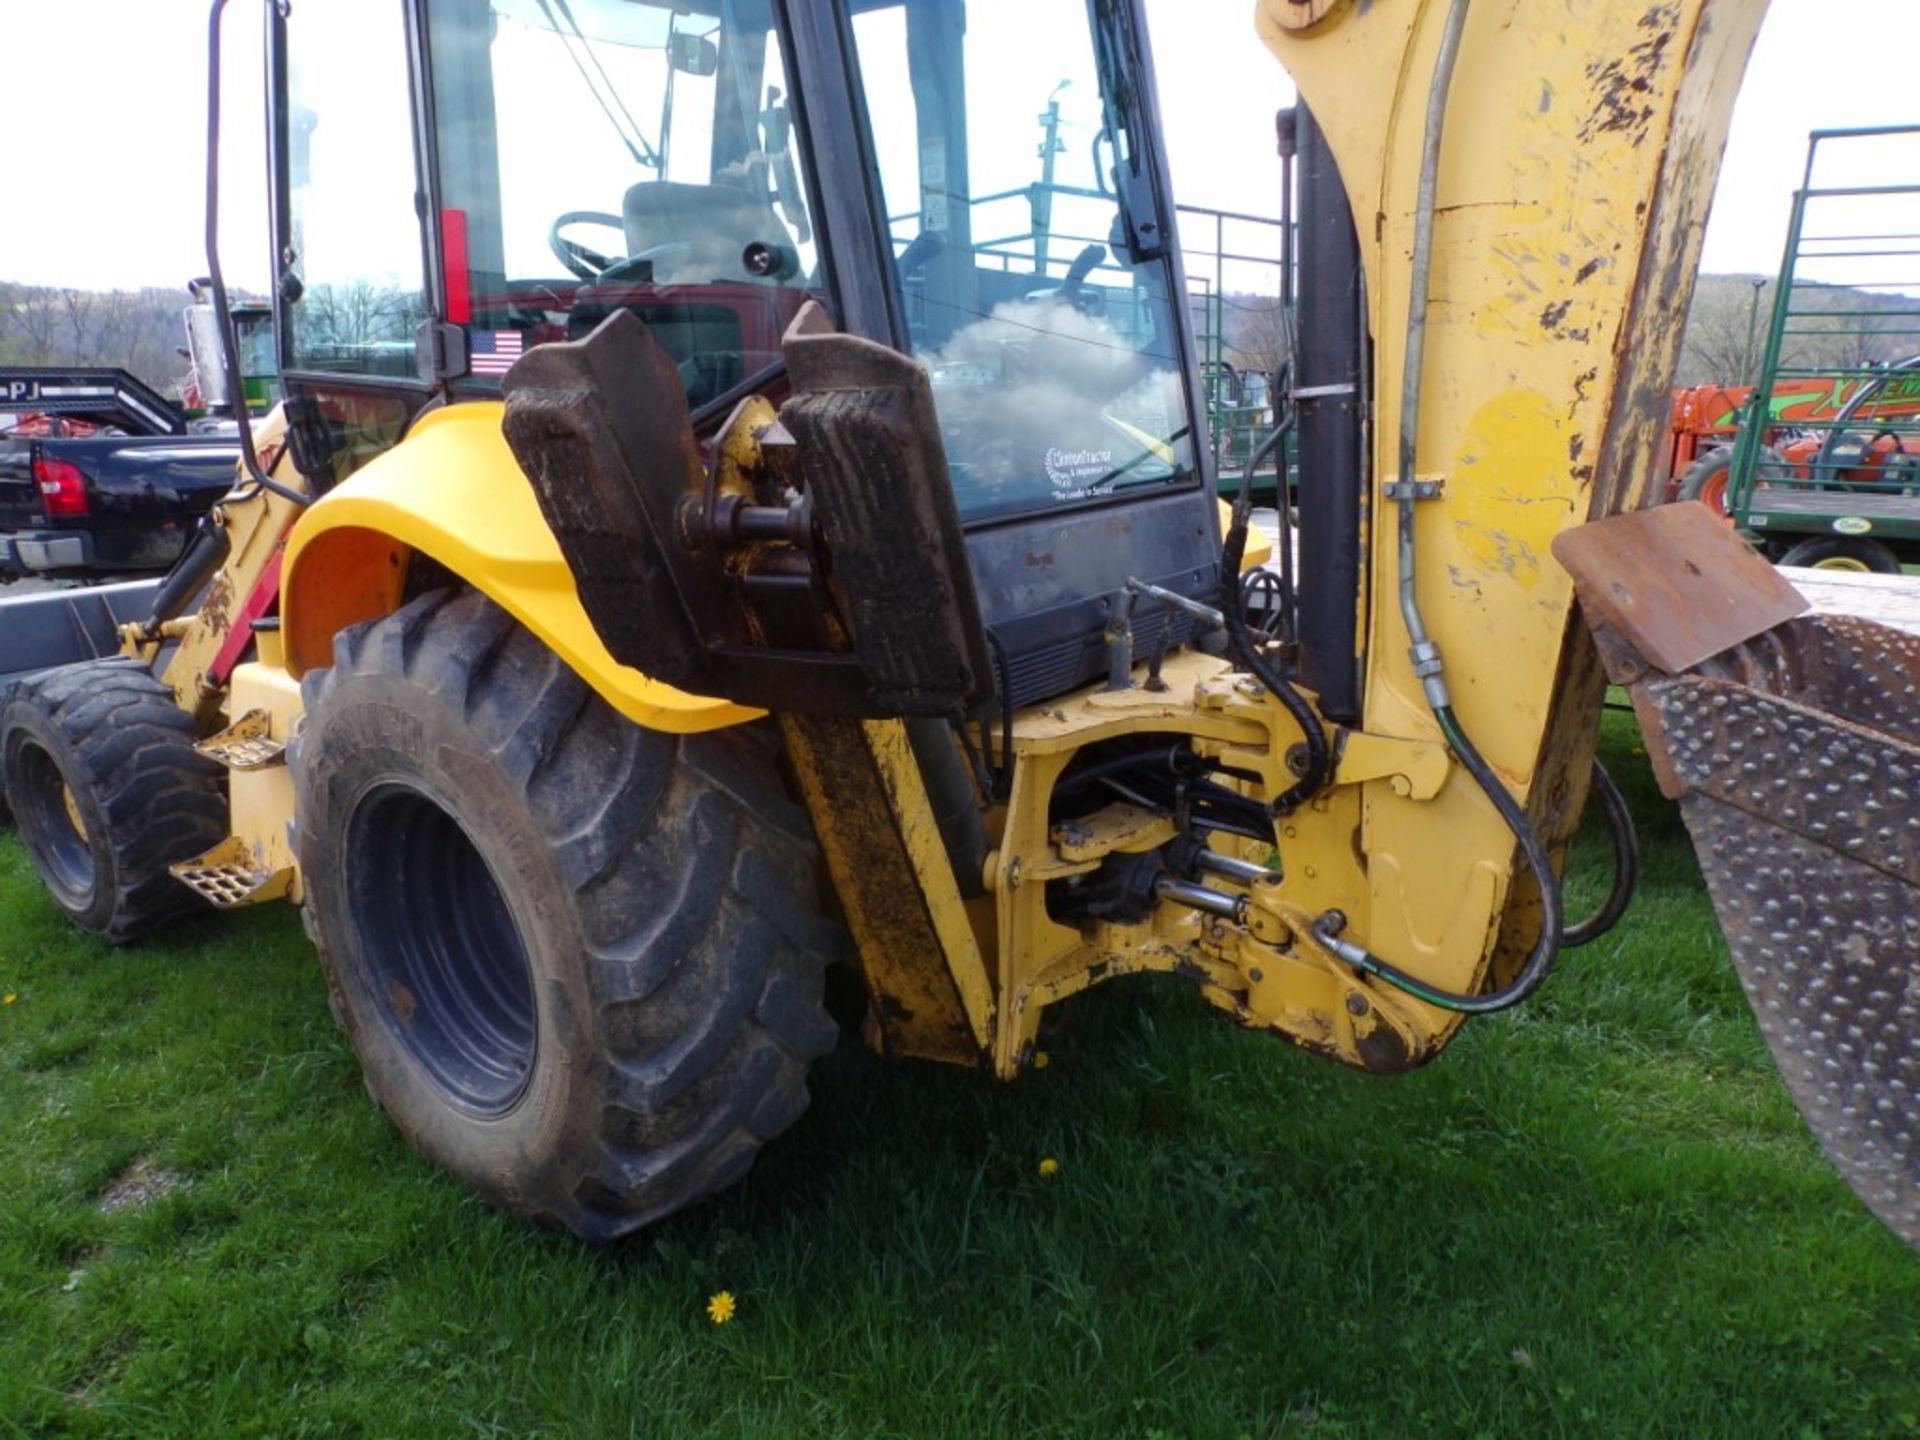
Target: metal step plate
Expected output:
[228,876]
[246,744]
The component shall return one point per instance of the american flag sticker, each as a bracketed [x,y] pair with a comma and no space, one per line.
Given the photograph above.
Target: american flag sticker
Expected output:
[492,352]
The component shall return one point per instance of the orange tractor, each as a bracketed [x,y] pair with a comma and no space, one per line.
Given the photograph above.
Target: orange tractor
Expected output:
[1706,420]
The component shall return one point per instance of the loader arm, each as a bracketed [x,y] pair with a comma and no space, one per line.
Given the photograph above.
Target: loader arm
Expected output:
[1571,193]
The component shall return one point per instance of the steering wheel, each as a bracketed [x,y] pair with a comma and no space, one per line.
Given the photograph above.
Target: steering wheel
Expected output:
[1825,464]
[638,269]
[582,263]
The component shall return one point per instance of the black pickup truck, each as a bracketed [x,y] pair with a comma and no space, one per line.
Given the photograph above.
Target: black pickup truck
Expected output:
[98,477]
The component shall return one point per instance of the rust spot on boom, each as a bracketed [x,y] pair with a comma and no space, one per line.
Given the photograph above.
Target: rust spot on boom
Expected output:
[1624,89]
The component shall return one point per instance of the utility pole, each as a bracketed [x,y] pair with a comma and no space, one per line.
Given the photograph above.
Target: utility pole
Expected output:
[1043,192]
[1748,359]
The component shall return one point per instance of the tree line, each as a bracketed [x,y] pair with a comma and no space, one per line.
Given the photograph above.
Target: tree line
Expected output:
[1725,338]
[143,331]
[140,331]
[1834,328]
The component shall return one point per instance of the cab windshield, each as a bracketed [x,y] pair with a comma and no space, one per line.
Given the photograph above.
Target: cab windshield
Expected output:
[1003,143]
[606,154]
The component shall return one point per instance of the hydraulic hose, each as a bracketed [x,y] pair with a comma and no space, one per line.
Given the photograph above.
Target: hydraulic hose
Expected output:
[1313,774]
[1626,864]
[1425,654]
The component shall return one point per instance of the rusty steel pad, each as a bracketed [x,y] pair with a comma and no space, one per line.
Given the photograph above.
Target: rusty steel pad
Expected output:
[1677,582]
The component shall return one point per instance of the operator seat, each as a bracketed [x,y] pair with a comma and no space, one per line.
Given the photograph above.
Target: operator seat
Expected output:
[698,231]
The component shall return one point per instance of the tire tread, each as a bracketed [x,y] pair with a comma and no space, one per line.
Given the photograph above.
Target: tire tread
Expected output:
[133,748]
[691,877]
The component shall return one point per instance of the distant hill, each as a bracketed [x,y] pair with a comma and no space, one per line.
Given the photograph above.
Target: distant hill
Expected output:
[1727,329]
[140,330]
[137,330]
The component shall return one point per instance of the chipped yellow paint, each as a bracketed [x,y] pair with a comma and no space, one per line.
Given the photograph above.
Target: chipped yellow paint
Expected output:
[1505,513]
[906,793]
[1555,161]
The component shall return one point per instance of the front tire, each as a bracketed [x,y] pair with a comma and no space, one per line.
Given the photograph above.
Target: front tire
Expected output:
[580,961]
[107,792]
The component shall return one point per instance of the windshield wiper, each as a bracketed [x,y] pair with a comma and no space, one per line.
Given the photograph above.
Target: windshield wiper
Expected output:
[609,98]
[1149,452]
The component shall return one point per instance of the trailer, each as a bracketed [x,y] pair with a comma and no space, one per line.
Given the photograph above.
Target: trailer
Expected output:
[1842,492]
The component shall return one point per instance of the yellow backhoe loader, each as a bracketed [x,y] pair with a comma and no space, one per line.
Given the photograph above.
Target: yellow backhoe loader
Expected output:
[721,521]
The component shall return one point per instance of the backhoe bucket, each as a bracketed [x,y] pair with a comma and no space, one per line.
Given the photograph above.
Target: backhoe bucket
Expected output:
[42,629]
[1792,742]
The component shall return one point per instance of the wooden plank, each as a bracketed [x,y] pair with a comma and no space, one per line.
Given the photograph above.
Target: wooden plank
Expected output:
[1775,500]
[1892,600]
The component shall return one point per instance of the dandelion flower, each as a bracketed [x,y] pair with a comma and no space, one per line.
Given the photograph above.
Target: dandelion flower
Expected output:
[720,1307]
[1049,1168]
[9,998]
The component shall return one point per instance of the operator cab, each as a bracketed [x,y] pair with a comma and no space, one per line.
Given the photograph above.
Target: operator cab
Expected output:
[976,183]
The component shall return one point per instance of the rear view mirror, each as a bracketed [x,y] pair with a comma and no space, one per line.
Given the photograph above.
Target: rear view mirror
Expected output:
[692,54]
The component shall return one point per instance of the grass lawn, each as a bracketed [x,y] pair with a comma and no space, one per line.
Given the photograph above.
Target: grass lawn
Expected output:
[1601,1216]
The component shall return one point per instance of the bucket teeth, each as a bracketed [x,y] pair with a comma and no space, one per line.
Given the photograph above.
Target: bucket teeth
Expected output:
[246,744]
[228,877]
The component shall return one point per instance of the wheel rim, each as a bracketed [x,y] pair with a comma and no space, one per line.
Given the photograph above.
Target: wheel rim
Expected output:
[1844,562]
[445,960]
[1713,495]
[51,823]
[71,803]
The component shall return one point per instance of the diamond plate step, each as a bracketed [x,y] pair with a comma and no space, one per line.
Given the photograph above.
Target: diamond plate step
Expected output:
[246,744]
[228,877]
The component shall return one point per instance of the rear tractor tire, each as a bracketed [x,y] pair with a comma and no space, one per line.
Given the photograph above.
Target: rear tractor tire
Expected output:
[107,792]
[1706,480]
[580,961]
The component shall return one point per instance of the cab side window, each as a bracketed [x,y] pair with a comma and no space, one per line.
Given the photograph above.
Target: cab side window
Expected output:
[609,155]
[355,245]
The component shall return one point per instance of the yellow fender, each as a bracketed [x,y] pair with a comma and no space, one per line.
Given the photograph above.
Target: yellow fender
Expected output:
[452,491]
